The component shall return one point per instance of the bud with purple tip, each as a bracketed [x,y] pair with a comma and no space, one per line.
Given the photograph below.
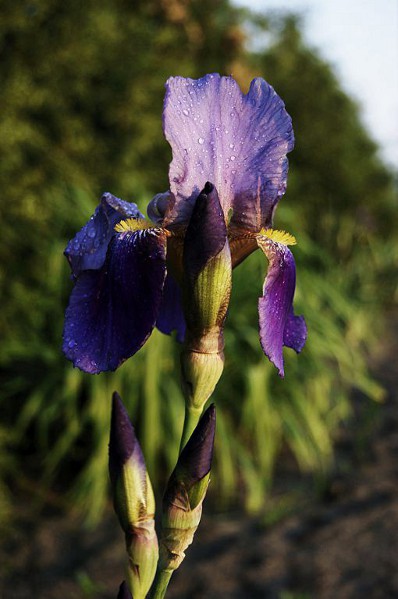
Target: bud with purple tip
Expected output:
[133,500]
[207,285]
[185,492]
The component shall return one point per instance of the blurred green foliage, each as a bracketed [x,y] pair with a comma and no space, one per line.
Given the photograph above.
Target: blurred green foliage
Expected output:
[81,100]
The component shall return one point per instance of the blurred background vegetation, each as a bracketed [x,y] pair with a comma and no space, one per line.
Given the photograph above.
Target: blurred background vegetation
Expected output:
[81,101]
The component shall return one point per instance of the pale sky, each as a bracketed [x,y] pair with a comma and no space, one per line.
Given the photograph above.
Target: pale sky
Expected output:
[360,39]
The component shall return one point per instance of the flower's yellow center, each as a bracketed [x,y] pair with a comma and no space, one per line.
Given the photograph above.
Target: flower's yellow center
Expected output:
[132,224]
[279,236]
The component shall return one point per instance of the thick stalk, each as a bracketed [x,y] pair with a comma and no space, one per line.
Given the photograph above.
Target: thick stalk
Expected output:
[161,583]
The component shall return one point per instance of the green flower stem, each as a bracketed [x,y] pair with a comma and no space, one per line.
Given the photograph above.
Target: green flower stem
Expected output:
[192,417]
[161,583]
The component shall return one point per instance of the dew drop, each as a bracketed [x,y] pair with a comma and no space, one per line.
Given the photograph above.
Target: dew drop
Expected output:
[91,233]
[231,146]
[201,140]
[233,157]
[186,112]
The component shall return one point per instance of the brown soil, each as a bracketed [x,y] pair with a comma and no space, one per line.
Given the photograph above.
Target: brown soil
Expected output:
[344,546]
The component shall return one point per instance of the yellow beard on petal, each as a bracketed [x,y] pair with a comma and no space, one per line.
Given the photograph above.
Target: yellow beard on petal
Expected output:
[132,224]
[279,236]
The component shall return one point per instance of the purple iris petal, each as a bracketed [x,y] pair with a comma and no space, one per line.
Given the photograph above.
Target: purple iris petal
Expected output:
[206,233]
[238,142]
[87,250]
[295,333]
[278,325]
[171,316]
[113,310]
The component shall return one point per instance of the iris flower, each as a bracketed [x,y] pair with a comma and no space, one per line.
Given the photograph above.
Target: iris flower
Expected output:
[228,172]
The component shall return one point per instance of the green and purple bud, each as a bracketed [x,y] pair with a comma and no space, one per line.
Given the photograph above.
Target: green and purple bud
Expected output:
[207,288]
[185,492]
[133,500]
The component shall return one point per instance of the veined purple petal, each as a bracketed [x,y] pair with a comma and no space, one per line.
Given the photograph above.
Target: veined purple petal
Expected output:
[123,443]
[171,315]
[113,310]
[87,250]
[124,592]
[206,233]
[238,142]
[278,324]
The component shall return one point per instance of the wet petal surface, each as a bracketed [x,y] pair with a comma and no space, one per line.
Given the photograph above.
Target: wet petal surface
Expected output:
[278,324]
[238,142]
[113,310]
[87,250]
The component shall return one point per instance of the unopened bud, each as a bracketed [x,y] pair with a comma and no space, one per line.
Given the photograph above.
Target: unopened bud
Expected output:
[133,500]
[185,492]
[207,265]
[207,289]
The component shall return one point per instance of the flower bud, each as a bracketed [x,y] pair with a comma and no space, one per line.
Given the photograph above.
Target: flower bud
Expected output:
[185,492]
[133,500]
[207,289]
[207,265]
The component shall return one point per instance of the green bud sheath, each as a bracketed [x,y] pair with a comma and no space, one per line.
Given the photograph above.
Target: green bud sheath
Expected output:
[143,552]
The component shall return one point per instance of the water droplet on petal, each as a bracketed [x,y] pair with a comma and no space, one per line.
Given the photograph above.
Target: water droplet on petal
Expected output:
[91,233]
[201,140]
[233,157]
[186,112]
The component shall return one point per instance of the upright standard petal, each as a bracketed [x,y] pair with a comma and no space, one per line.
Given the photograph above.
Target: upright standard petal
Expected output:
[278,324]
[238,142]
[113,310]
[87,250]
[171,315]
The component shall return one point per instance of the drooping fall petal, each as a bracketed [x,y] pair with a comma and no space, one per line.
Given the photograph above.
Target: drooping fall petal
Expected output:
[113,310]
[278,324]
[238,142]
[87,250]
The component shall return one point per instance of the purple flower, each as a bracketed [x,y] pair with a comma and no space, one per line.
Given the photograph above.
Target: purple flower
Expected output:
[228,171]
